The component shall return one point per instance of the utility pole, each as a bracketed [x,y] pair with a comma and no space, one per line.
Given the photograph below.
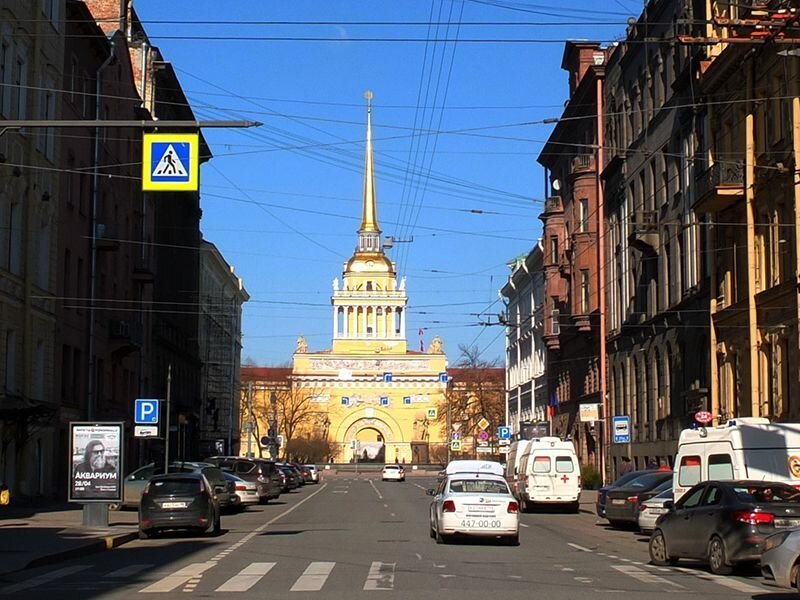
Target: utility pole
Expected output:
[273,446]
[166,419]
[449,436]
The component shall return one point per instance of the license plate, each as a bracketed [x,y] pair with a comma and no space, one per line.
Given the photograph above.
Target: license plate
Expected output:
[174,504]
[481,523]
[618,501]
[657,511]
[480,508]
[787,522]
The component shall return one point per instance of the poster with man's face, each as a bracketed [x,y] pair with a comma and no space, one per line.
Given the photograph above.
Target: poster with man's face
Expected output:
[95,462]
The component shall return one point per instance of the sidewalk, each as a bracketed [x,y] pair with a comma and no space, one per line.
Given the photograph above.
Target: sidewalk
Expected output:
[40,535]
[588,501]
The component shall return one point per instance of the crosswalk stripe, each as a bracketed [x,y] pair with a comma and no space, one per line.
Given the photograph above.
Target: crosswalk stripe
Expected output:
[178,578]
[739,586]
[381,576]
[247,577]
[644,576]
[42,579]
[127,571]
[313,578]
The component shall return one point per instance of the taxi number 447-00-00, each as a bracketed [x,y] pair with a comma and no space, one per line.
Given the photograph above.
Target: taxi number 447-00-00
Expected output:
[481,523]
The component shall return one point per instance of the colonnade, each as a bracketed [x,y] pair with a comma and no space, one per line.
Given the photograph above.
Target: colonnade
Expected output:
[369,321]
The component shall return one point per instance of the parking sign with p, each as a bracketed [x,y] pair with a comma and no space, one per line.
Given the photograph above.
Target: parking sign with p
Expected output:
[146,412]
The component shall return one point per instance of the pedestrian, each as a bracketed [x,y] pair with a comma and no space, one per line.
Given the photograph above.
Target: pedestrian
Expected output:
[663,465]
[627,467]
[652,465]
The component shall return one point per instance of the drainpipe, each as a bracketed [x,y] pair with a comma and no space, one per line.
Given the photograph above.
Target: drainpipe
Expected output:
[605,438]
[91,396]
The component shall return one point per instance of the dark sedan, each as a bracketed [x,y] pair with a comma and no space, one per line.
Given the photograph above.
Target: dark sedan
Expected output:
[600,505]
[622,503]
[290,479]
[180,501]
[724,523]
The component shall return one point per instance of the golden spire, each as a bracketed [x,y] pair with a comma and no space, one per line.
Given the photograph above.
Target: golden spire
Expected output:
[369,218]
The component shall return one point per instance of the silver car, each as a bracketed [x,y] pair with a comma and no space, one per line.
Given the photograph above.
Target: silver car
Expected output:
[779,560]
[651,509]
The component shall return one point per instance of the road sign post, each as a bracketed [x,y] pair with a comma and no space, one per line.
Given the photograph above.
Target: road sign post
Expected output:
[622,429]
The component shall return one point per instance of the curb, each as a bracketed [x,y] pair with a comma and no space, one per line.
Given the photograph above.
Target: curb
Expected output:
[108,542]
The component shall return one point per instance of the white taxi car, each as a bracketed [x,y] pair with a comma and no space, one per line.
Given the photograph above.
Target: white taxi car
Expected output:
[474,500]
[393,473]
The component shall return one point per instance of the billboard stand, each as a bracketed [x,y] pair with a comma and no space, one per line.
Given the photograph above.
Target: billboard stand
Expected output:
[95,515]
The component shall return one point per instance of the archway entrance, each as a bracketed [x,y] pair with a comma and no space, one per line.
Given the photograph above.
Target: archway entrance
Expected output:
[371,445]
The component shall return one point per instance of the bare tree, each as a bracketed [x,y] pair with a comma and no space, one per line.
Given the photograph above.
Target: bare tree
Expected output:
[476,391]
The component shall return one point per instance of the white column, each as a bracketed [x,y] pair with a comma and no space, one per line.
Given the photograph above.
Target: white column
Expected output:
[403,323]
[363,321]
[374,321]
[390,321]
[345,324]
[335,322]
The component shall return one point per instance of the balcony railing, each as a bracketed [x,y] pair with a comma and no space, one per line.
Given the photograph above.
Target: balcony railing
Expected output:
[125,331]
[643,230]
[719,187]
[582,162]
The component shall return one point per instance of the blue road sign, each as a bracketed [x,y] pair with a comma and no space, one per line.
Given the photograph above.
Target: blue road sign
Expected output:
[504,433]
[146,411]
[622,430]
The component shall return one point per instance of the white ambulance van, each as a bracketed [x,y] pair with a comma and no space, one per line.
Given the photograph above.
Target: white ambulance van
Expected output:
[549,474]
[513,458]
[743,448]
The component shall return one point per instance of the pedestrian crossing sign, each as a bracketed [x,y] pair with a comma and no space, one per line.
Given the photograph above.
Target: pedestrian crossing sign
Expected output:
[170,162]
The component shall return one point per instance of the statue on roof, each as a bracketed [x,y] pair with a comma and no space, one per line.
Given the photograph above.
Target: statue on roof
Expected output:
[302,345]
[436,346]
[335,284]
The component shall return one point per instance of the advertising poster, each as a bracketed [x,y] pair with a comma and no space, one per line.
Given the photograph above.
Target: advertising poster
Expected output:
[95,462]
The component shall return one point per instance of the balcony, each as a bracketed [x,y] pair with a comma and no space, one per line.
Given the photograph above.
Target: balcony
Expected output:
[552,330]
[582,322]
[552,206]
[582,163]
[719,188]
[125,332]
[643,231]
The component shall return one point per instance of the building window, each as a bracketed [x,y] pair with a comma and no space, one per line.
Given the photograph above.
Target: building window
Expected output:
[583,205]
[14,249]
[11,361]
[5,77]
[585,291]
[20,83]
[43,258]
[555,325]
[554,249]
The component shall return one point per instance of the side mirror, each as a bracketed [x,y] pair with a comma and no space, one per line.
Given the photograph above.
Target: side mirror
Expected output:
[431,492]
[669,505]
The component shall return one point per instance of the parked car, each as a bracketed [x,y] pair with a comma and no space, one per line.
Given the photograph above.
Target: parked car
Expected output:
[622,503]
[180,501]
[724,523]
[304,472]
[393,473]
[264,473]
[136,481]
[474,504]
[312,469]
[651,509]
[600,505]
[291,481]
[780,559]
[245,492]
[301,481]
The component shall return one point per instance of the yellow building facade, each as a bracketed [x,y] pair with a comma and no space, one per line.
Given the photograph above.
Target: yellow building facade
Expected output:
[378,400]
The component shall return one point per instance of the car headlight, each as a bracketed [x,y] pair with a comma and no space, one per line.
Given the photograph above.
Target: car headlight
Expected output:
[776,540]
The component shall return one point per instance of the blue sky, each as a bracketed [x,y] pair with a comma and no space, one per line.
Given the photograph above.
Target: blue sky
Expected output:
[282,202]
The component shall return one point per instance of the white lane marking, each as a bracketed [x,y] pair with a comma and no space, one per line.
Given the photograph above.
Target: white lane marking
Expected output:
[380,577]
[583,579]
[380,497]
[567,569]
[577,547]
[418,555]
[394,515]
[515,576]
[644,576]
[339,491]
[127,571]
[739,586]
[424,489]
[523,525]
[179,577]
[385,506]
[444,576]
[313,578]
[42,579]
[247,577]
[614,557]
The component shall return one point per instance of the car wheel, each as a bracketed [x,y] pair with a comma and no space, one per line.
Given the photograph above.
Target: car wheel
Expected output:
[717,559]
[432,533]
[512,540]
[440,539]
[658,550]
[217,525]
[144,535]
[618,524]
[575,508]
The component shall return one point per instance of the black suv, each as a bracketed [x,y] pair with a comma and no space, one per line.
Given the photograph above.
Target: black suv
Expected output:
[262,472]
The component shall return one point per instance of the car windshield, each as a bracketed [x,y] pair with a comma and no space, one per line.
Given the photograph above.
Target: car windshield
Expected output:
[766,493]
[175,487]
[665,495]
[391,468]
[626,478]
[478,486]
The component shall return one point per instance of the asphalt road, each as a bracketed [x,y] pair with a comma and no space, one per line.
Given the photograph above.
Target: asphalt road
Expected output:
[357,536]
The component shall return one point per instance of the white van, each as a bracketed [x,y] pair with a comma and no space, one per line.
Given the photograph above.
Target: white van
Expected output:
[549,473]
[743,448]
[513,458]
